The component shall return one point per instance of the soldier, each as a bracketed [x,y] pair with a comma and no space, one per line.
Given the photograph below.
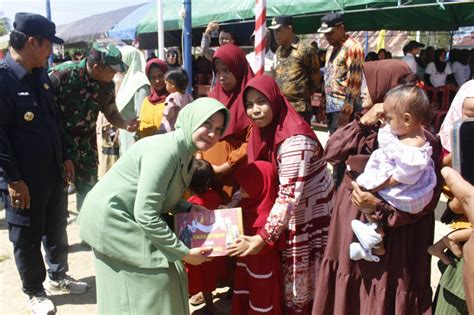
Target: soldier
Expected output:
[82,90]
[33,159]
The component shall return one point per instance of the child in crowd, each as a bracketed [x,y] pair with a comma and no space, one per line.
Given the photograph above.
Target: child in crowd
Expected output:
[401,170]
[176,83]
[204,278]
[258,281]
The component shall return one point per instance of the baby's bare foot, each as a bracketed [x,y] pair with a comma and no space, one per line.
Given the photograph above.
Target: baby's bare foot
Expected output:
[379,249]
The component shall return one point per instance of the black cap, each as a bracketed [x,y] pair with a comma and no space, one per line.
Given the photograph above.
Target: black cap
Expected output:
[413,44]
[329,21]
[36,25]
[280,21]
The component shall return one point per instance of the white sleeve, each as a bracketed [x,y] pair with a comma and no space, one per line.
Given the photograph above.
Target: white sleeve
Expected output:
[448,69]
[430,68]
[409,166]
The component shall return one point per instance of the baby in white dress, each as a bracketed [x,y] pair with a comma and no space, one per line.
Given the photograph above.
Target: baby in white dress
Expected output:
[401,170]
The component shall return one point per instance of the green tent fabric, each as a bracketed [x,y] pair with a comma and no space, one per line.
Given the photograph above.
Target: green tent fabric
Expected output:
[204,11]
[359,14]
[426,16]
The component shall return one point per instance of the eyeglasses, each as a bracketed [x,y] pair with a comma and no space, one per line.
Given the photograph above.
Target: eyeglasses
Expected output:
[170,55]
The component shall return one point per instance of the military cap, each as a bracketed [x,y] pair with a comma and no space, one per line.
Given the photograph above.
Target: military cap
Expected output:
[108,54]
[279,21]
[329,21]
[36,25]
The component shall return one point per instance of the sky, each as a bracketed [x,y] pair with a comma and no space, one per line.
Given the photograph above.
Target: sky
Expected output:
[64,11]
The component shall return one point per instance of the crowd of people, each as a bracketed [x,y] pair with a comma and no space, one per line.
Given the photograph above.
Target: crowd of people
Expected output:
[136,148]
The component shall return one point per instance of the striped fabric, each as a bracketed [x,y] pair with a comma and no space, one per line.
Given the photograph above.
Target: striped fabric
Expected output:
[303,208]
[450,298]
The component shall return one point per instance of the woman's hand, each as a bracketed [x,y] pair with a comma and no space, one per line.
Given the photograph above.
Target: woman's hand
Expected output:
[364,200]
[197,256]
[463,192]
[239,247]
[453,244]
[246,245]
[373,115]
[447,160]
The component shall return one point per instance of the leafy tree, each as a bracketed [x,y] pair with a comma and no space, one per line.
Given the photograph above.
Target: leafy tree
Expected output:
[5,25]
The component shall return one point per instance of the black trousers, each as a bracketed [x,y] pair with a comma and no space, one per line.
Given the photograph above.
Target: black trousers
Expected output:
[45,222]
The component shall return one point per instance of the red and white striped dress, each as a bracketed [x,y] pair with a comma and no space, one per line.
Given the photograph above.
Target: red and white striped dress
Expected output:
[302,212]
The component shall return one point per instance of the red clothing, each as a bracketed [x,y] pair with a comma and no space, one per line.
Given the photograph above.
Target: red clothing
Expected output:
[301,211]
[259,180]
[258,285]
[258,280]
[204,277]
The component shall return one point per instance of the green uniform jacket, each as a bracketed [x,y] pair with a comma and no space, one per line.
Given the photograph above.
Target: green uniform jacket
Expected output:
[120,216]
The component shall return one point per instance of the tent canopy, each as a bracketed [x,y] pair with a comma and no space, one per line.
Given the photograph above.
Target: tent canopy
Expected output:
[359,14]
[93,27]
[126,28]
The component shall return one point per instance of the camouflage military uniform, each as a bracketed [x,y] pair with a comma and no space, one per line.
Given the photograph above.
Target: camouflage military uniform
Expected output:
[80,99]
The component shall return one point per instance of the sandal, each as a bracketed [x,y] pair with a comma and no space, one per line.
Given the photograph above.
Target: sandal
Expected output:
[196,299]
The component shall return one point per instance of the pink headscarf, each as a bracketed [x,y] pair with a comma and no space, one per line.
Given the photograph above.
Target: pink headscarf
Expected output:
[155,96]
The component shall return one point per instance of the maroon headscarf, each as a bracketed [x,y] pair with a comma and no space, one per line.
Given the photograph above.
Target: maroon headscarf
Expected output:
[259,180]
[263,143]
[234,58]
[383,75]
[155,96]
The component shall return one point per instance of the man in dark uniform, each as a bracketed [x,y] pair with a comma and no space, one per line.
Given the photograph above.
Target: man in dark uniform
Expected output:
[33,158]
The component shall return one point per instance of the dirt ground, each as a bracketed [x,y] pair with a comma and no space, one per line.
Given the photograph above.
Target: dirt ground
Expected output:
[13,301]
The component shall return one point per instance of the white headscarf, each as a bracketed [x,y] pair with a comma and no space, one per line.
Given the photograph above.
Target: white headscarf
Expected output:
[455,113]
[135,77]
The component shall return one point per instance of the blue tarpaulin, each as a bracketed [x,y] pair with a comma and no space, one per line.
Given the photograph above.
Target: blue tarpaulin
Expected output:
[126,28]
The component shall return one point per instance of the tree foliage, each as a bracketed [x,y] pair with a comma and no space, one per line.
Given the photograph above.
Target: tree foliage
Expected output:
[5,25]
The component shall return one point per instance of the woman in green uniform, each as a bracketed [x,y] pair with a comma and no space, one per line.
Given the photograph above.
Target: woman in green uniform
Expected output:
[138,259]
